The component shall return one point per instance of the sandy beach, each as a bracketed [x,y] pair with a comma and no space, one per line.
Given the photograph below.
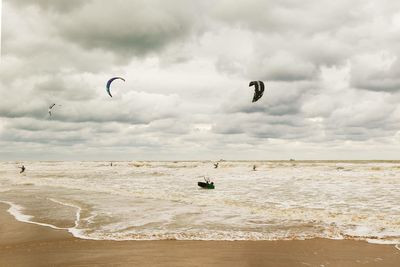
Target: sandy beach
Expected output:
[24,244]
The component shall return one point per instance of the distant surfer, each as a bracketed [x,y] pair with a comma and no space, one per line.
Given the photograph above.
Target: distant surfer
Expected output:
[22,169]
[254,167]
[111,164]
[207,185]
[216,165]
[208,181]
[51,108]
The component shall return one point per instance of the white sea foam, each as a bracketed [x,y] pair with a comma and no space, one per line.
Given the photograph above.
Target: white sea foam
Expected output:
[78,210]
[161,200]
[17,211]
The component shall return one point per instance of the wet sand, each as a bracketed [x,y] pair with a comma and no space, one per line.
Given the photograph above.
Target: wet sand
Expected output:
[24,244]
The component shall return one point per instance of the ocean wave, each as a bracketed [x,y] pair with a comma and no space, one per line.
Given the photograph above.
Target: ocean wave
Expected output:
[329,201]
[17,211]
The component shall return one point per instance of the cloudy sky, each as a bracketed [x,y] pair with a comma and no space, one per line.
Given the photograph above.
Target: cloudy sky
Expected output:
[331,68]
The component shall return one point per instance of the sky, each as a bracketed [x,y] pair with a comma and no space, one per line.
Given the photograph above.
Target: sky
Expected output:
[331,72]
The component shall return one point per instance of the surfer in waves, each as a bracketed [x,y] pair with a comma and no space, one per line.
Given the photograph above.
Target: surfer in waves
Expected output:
[22,169]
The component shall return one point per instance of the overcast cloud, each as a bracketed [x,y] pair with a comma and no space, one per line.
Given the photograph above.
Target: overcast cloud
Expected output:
[331,70]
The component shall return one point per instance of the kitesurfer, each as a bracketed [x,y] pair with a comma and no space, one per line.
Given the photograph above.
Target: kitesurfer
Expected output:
[22,169]
[50,108]
[207,184]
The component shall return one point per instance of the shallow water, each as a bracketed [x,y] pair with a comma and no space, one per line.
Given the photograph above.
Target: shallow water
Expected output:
[161,200]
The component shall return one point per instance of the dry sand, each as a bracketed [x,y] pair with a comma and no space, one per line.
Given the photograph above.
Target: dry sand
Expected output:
[24,244]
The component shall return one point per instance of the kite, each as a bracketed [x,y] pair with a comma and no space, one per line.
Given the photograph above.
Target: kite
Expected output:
[258,91]
[109,84]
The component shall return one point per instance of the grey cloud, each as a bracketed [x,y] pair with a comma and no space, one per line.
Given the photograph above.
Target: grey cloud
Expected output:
[280,132]
[366,114]
[134,108]
[378,83]
[43,137]
[226,65]
[282,66]
[288,16]
[169,126]
[273,58]
[36,125]
[284,113]
[128,28]
[278,99]
[36,49]
[293,40]
[261,125]
[356,134]
[277,110]
[57,5]
[379,72]
[23,108]
[188,65]
[63,87]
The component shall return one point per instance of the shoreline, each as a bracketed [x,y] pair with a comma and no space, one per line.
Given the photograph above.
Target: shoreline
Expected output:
[27,244]
[220,160]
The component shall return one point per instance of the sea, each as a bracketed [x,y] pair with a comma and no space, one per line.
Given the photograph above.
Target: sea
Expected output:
[154,200]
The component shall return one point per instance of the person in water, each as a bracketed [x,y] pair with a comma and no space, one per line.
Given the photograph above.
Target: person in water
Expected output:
[216,165]
[207,180]
[22,169]
[254,167]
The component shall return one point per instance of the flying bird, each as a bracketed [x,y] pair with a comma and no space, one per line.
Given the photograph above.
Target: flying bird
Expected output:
[108,86]
[258,90]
